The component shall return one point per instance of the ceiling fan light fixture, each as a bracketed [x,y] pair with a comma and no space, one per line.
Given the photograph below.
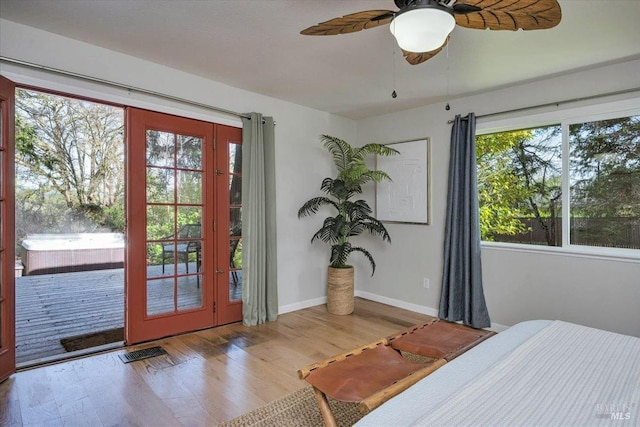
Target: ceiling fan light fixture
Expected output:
[422,29]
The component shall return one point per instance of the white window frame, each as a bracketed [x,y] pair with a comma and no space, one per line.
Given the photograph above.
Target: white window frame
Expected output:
[565,117]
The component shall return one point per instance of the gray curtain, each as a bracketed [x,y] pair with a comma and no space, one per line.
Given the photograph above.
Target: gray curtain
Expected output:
[259,280]
[462,295]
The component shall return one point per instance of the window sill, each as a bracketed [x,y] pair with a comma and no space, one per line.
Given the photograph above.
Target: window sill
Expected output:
[609,254]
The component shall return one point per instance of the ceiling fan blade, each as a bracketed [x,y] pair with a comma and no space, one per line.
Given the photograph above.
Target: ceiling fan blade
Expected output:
[511,14]
[415,58]
[463,8]
[350,23]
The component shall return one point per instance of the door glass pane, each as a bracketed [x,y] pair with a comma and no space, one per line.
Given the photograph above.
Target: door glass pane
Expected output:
[235,222]
[235,253]
[187,257]
[235,189]
[160,259]
[189,220]
[189,292]
[160,185]
[235,269]
[189,152]
[160,148]
[160,220]
[235,285]
[189,187]
[235,158]
[160,296]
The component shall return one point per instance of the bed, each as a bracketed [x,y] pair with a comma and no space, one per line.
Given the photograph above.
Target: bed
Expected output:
[536,373]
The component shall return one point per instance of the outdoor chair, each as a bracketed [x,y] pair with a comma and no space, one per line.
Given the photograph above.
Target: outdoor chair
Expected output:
[232,263]
[235,229]
[184,247]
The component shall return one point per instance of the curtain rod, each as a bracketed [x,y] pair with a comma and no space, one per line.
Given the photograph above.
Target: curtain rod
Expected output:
[557,103]
[122,86]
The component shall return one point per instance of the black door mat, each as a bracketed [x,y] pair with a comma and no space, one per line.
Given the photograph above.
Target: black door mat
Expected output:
[145,353]
[93,339]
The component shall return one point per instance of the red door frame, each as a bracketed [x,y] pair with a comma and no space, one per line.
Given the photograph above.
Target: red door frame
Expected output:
[138,325]
[7,243]
[227,311]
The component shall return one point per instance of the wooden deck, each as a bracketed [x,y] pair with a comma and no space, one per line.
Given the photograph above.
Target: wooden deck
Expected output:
[55,306]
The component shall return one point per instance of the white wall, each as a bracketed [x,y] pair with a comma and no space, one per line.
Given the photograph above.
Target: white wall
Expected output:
[518,285]
[300,156]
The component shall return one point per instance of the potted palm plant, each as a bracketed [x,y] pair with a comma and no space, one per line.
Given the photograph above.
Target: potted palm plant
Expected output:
[352,217]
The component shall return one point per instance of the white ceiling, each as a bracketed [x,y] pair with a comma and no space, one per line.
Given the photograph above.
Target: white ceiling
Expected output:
[255,45]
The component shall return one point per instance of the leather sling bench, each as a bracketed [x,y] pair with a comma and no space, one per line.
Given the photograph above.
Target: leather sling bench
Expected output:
[372,374]
[438,339]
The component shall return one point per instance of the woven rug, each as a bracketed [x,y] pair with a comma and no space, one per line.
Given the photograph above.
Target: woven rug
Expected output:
[298,409]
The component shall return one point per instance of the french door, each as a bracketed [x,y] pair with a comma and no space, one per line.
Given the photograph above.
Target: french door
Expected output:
[229,224]
[178,266]
[7,230]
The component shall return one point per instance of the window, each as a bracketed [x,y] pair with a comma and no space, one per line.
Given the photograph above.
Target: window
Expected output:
[529,194]
[604,175]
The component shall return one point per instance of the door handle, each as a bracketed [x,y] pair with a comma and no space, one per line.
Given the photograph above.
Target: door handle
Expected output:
[219,271]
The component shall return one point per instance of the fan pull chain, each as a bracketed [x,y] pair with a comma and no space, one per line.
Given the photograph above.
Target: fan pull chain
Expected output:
[447,107]
[394,95]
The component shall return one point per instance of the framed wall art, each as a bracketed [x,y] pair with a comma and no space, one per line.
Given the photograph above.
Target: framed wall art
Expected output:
[405,199]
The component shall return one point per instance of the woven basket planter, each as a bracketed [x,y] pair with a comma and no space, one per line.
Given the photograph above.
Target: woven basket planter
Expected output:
[340,290]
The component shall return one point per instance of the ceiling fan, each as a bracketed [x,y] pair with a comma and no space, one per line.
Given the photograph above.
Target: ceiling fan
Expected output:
[422,27]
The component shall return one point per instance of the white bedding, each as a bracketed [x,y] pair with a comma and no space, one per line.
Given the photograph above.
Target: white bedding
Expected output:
[535,373]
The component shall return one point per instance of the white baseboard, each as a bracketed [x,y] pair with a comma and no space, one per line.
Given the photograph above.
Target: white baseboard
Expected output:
[422,309]
[301,305]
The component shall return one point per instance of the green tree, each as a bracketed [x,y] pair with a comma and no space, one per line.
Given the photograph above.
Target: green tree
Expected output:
[69,163]
[499,188]
[519,176]
[605,168]
[537,163]
[605,181]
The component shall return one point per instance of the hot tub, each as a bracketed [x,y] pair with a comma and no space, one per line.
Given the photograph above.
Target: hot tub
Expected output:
[64,253]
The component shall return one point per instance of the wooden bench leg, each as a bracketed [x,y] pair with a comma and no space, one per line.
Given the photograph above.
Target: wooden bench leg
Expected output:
[325,410]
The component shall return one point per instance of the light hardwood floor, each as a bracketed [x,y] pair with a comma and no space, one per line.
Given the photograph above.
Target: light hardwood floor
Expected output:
[208,376]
